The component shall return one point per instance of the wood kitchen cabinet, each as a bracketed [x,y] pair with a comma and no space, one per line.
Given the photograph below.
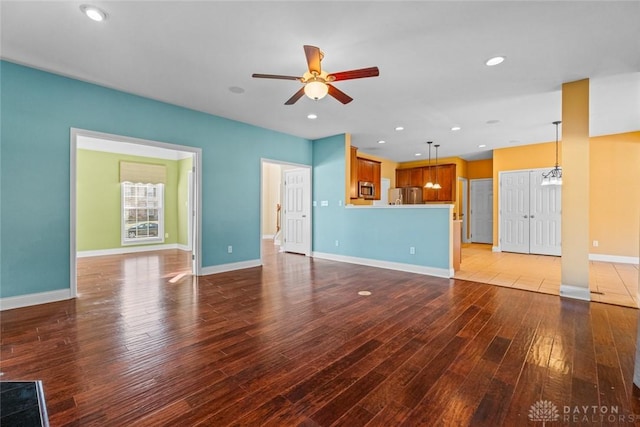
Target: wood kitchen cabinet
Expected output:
[418,177]
[403,178]
[411,177]
[370,171]
[446,177]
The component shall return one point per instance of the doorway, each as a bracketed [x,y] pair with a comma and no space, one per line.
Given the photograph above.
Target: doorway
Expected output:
[530,214]
[114,148]
[482,210]
[286,215]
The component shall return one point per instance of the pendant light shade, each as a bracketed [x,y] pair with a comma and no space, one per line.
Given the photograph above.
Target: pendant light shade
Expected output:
[437,186]
[554,176]
[429,183]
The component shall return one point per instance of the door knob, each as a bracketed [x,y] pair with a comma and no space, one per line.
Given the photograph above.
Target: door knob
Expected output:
[526,216]
[532,216]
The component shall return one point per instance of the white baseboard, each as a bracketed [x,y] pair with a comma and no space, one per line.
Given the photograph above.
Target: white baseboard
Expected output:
[185,248]
[496,249]
[230,267]
[575,292]
[268,236]
[128,250]
[34,299]
[614,258]
[409,268]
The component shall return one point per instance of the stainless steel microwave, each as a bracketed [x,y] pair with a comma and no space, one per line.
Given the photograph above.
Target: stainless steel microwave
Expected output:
[366,190]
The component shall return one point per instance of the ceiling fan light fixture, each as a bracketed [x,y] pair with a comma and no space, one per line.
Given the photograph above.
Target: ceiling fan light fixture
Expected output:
[316,89]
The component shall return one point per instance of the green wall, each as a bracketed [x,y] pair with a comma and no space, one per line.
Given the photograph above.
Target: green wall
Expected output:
[99,199]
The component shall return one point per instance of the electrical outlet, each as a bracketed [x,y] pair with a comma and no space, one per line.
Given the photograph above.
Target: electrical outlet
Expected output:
[229,249]
[412,250]
[166,235]
[337,242]
[595,243]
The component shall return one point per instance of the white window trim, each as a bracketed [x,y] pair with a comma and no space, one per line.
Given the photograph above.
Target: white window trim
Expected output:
[142,240]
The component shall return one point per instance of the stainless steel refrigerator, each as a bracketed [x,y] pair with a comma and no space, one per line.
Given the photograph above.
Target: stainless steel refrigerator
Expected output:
[405,196]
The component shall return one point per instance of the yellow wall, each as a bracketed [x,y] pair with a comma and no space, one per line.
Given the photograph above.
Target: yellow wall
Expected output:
[479,169]
[614,202]
[614,194]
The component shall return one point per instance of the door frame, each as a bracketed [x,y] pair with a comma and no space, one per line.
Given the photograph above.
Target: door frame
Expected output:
[196,231]
[309,188]
[464,207]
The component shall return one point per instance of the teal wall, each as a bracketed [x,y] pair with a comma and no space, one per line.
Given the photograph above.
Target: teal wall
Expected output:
[384,234]
[38,110]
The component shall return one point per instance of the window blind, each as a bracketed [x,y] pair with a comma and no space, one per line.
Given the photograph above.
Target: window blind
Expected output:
[146,173]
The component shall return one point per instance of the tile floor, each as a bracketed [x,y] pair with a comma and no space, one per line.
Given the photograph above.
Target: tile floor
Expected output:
[611,283]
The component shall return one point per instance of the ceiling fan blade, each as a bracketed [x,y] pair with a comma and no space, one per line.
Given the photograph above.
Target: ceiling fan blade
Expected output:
[295,97]
[275,76]
[339,95]
[313,58]
[355,74]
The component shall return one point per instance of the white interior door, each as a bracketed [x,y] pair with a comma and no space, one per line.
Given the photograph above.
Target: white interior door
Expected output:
[531,214]
[297,207]
[482,210]
[514,212]
[545,216]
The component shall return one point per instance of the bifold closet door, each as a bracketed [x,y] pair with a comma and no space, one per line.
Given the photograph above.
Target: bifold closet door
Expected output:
[530,214]
[545,216]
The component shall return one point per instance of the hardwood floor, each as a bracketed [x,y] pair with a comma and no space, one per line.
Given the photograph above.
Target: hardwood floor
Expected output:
[293,343]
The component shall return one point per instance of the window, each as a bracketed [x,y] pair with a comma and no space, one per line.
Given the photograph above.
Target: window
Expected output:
[142,213]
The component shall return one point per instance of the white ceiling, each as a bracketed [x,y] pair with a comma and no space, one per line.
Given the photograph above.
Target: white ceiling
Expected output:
[430,54]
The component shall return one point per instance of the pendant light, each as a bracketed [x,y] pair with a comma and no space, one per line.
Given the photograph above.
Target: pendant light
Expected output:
[429,183]
[554,176]
[436,186]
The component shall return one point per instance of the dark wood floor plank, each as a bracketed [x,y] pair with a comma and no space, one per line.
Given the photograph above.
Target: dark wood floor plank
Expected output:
[292,343]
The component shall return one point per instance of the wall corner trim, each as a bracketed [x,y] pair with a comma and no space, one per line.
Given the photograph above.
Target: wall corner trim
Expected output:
[575,292]
[20,301]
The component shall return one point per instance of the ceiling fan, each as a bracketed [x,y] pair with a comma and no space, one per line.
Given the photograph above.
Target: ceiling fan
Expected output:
[317,83]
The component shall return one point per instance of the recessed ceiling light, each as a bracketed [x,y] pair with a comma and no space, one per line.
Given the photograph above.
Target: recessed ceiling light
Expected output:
[312,116]
[399,128]
[455,128]
[493,122]
[418,154]
[382,141]
[494,61]
[482,145]
[93,12]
